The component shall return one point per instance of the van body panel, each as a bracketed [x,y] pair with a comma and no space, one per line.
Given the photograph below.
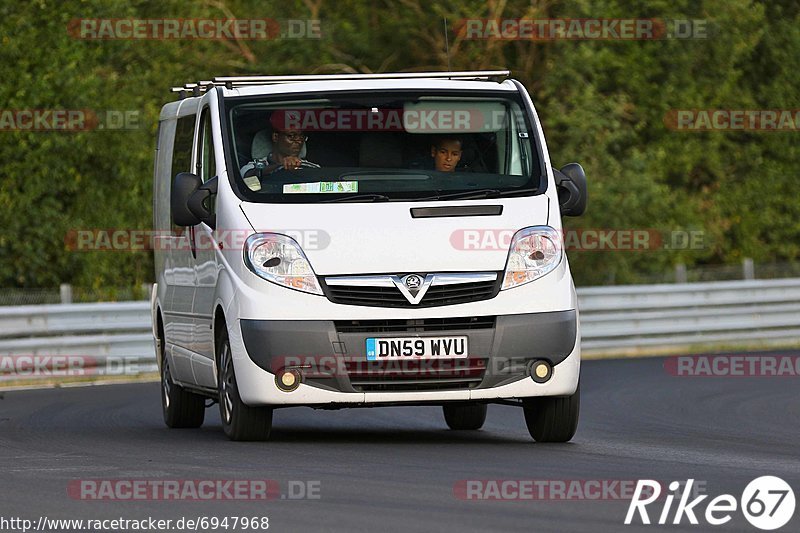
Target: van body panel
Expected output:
[384,237]
[550,293]
[258,388]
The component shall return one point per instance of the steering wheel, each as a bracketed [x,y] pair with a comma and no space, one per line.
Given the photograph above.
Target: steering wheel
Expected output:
[258,166]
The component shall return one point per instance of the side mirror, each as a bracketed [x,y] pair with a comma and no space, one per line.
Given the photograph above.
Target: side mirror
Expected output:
[572,189]
[201,204]
[183,186]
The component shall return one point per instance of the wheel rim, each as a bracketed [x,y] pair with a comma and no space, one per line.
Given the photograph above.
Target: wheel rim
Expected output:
[166,383]
[226,384]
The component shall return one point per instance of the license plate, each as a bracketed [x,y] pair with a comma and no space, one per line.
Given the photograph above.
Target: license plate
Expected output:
[384,348]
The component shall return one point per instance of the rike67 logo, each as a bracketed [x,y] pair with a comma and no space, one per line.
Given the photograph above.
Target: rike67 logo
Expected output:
[767,502]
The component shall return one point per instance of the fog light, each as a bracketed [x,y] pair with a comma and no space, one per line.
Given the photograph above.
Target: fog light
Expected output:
[540,371]
[287,380]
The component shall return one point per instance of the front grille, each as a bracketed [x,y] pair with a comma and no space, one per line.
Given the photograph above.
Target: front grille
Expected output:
[414,325]
[437,295]
[416,375]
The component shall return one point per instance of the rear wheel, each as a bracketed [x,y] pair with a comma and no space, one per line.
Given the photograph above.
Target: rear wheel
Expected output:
[552,418]
[240,422]
[182,409]
[465,416]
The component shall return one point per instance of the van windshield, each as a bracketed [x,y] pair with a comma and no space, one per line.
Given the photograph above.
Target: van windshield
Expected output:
[382,147]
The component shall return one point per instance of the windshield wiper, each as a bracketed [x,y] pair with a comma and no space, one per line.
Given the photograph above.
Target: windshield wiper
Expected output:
[519,192]
[359,198]
[464,195]
[479,193]
[461,195]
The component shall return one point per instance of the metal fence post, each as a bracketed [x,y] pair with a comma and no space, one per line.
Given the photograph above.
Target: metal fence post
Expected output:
[748,268]
[66,293]
[680,273]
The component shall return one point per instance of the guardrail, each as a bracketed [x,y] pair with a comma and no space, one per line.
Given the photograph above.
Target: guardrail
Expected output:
[73,340]
[648,319]
[615,321]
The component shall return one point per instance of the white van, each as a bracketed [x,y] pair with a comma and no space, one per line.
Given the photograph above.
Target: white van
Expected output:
[363,240]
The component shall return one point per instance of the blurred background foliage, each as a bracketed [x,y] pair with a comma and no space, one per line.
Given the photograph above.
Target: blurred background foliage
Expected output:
[602,103]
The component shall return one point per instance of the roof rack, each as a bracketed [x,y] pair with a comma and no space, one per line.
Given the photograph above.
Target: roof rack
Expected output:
[230,82]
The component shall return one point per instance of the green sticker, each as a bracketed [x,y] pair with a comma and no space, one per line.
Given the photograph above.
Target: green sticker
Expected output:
[321,187]
[338,186]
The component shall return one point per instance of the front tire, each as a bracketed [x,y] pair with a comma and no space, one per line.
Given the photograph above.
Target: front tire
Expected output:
[465,416]
[239,421]
[181,408]
[552,418]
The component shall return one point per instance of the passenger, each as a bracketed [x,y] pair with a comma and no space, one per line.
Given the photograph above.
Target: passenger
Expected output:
[446,154]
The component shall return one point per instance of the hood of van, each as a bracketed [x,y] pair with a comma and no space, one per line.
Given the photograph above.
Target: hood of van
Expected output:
[384,237]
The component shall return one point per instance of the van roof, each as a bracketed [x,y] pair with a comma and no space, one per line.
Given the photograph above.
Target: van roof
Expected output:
[254,85]
[367,85]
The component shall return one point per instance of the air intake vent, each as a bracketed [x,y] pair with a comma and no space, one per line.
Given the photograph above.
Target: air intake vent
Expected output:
[398,376]
[414,325]
[390,296]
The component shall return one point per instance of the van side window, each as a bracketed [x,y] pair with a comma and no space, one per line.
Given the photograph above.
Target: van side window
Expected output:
[181,156]
[182,149]
[206,165]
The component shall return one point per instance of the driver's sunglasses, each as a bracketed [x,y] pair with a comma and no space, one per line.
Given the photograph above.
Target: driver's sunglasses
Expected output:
[295,137]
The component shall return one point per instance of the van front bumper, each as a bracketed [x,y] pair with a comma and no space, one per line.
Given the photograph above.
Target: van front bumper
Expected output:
[331,355]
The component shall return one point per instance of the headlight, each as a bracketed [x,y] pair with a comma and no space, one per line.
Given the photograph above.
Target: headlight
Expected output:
[279,259]
[534,252]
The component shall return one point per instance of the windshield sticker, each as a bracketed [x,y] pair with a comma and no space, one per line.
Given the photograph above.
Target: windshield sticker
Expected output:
[320,187]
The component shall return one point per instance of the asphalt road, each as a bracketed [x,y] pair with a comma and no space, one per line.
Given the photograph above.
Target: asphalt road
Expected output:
[395,469]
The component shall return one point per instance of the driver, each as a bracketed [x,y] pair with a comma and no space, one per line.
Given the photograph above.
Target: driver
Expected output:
[287,143]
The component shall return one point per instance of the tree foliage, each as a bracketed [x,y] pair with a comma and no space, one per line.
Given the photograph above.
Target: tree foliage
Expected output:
[602,103]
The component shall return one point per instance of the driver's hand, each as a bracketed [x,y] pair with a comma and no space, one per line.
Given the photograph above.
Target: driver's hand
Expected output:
[291,162]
